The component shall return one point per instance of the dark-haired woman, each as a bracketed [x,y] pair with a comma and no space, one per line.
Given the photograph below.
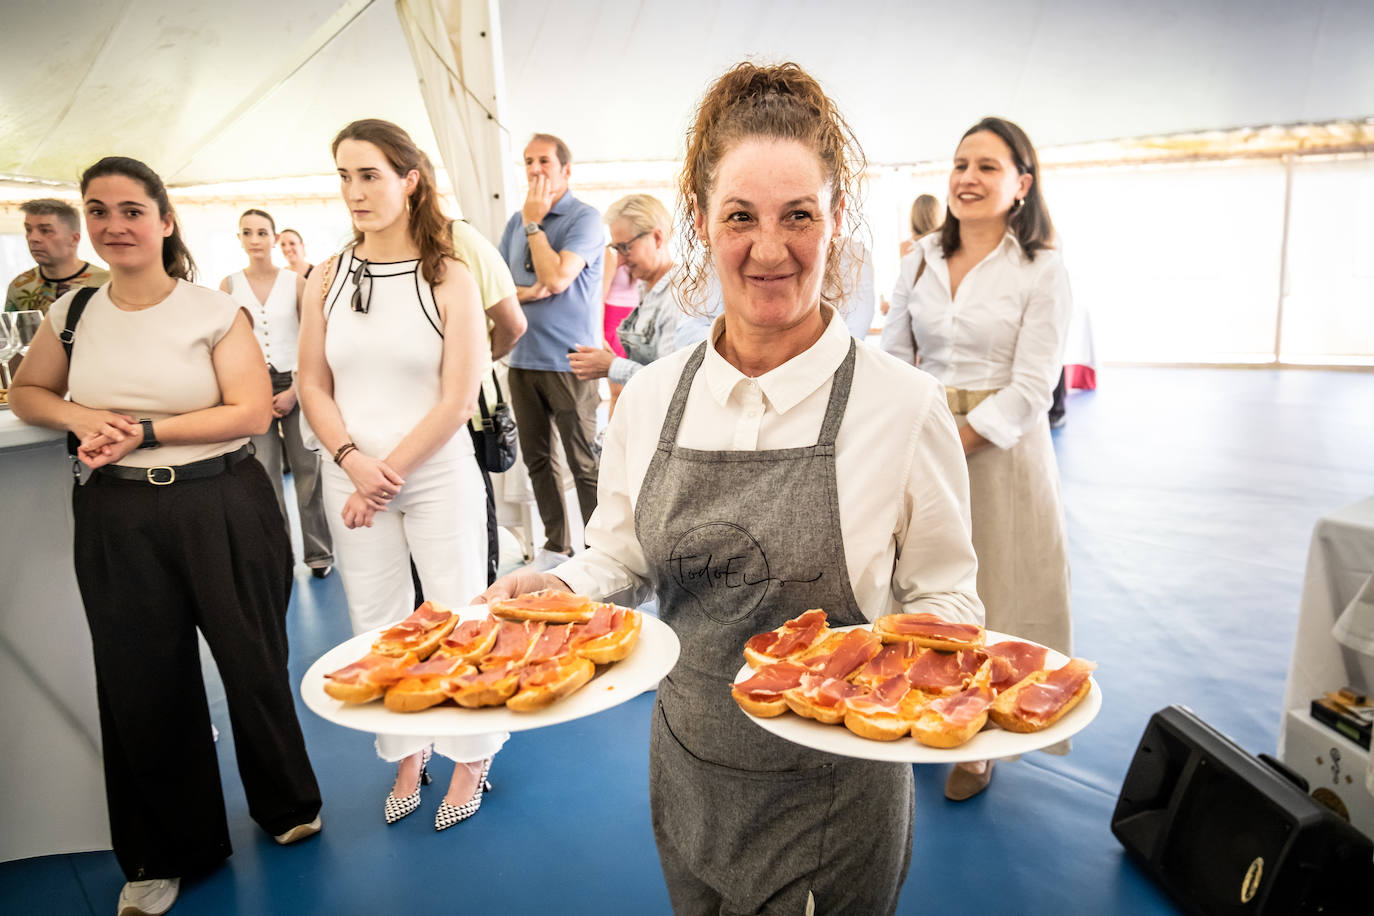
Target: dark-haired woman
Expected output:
[761,473]
[175,532]
[273,297]
[393,347]
[988,300]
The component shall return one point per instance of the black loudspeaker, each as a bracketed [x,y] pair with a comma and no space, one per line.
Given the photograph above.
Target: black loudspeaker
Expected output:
[1227,834]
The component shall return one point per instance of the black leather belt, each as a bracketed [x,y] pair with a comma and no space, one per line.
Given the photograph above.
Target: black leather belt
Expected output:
[196,470]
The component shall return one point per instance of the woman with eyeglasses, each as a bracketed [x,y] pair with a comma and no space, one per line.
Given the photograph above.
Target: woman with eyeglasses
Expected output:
[393,347]
[640,230]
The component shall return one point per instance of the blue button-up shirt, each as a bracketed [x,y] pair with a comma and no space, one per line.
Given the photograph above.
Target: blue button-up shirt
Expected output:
[559,322]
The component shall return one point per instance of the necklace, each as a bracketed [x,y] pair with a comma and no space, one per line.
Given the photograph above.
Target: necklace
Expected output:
[131,306]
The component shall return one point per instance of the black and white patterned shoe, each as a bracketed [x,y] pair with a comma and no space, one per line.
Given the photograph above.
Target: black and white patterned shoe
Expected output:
[397,808]
[448,815]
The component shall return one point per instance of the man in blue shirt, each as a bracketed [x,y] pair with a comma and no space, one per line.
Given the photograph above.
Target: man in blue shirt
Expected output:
[553,247]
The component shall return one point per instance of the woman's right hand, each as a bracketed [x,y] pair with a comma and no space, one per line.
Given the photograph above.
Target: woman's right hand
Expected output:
[373,478]
[356,512]
[87,423]
[520,582]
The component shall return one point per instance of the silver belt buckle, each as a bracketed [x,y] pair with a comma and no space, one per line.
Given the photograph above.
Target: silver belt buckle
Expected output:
[155,481]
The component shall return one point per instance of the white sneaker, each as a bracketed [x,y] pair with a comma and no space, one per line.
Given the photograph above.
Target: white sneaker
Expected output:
[148,898]
[545,559]
[299,832]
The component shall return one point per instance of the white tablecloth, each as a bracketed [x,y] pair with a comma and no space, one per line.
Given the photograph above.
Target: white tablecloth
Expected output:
[1334,646]
[52,784]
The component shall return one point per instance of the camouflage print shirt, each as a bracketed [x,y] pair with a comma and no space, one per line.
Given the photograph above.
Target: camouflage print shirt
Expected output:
[32,290]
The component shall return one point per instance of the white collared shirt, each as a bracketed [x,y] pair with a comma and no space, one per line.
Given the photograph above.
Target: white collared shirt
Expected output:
[1004,329]
[902,479]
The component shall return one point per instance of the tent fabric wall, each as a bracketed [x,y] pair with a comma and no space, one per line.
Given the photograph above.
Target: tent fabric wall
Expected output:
[456,48]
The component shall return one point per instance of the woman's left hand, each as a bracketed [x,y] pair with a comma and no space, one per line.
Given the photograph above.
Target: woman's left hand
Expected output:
[100,449]
[356,512]
[284,403]
[590,362]
[971,440]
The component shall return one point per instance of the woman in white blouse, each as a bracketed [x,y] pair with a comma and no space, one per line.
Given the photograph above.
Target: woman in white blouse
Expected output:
[987,301]
[641,231]
[763,472]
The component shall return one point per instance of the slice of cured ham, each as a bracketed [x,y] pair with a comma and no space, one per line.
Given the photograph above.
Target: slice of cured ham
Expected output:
[931,625]
[513,642]
[1013,660]
[892,660]
[553,643]
[604,620]
[436,666]
[469,633]
[944,672]
[963,707]
[793,636]
[854,649]
[887,697]
[373,668]
[1037,702]
[768,682]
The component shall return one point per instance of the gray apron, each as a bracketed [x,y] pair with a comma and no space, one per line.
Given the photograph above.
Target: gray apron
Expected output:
[738,542]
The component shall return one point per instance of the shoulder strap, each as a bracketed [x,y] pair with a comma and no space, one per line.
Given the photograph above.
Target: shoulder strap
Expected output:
[79,302]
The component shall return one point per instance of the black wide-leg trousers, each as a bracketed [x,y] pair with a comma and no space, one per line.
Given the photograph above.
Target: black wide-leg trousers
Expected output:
[154,564]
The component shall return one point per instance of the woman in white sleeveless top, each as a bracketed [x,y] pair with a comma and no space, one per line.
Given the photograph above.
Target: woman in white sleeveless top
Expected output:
[393,345]
[272,296]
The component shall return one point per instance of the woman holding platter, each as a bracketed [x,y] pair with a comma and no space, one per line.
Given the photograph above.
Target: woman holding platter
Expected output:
[874,520]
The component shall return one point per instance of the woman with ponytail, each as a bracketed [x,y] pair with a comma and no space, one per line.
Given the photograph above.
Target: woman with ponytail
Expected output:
[392,351]
[175,532]
[764,472]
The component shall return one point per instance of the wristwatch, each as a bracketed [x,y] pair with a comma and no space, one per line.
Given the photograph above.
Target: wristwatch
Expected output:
[532,227]
[149,437]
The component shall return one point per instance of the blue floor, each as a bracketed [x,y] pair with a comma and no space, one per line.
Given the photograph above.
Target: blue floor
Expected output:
[1190,497]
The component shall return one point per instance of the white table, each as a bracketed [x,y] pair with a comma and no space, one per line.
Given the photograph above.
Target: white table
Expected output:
[52,784]
[1340,565]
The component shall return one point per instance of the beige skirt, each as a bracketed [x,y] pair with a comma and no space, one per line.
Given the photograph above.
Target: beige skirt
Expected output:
[1018,534]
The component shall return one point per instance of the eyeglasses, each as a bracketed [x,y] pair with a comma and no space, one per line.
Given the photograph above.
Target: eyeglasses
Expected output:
[623,248]
[361,303]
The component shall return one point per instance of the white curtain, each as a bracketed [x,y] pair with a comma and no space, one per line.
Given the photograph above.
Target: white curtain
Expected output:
[456,48]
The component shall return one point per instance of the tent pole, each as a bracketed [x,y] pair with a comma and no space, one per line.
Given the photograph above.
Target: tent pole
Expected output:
[1283,255]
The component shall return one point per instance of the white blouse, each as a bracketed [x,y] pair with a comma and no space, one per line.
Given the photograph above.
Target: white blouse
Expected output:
[1005,329]
[902,479]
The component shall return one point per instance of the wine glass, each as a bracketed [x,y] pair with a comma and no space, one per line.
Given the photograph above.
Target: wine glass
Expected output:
[27,322]
[9,345]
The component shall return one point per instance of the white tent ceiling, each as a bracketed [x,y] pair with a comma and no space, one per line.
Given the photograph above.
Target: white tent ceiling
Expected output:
[219,90]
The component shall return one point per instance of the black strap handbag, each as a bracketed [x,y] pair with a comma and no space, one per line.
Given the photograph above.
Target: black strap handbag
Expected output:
[493,431]
[68,337]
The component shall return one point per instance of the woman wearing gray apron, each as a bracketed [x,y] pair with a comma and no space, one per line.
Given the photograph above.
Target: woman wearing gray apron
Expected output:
[783,476]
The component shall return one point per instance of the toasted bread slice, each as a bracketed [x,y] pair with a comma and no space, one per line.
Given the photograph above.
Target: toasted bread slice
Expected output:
[821,698]
[422,687]
[793,638]
[419,633]
[489,687]
[1043,697]
[762,694]
[951,721]
[610,635]
[471,639]
[883,714]
[367,678]
[929,630]
[547,604]
[514,640]
[550,680]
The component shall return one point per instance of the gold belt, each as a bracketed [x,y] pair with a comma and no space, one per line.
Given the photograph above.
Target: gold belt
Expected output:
[962,400]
